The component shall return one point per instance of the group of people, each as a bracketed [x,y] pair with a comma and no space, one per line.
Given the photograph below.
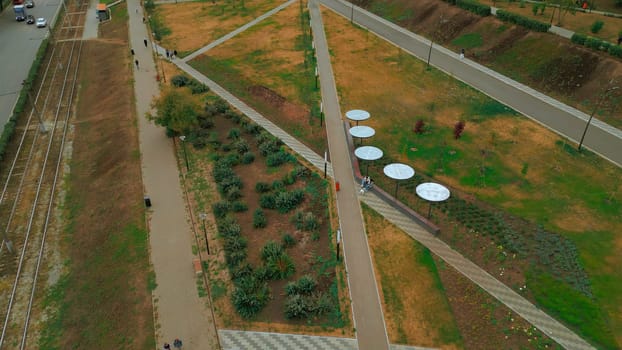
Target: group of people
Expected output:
[366,184]
[176,344]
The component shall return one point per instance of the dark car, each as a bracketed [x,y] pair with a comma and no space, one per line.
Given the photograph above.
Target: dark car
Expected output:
[30,4]
[30,19]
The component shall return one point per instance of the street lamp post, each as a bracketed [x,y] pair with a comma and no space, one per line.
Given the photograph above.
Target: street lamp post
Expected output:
[587,125]
[438,28]
[203,216]
[338,241]
[183,146]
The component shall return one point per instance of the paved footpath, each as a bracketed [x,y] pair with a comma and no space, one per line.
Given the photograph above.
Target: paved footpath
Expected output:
[179,311]
[558,117]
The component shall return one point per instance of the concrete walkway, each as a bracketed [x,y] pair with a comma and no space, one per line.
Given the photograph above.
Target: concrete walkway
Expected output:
[558,117]
[241,340]
[179,311]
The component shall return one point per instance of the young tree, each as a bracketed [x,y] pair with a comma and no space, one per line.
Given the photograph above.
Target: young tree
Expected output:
[458,129]
[176,111]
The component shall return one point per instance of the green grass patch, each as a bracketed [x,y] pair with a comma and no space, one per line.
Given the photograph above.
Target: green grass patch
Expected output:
[468,41]
[577,310]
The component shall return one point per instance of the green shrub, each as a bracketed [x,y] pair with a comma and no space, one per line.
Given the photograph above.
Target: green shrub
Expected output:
[288,240]
[296,307]
[235,243]
[287,200]
[220,209]
[593,43]
[269,147]
[597,26]
[222,171]
[251,298]
[180,80]
[472,6]
[578,38]
[228,183]
[278,158]
[259,219]
[241,146]
[615,50]
[252,128]
[280,267]
[305,221]
[289,179]
[534,8]
[197,87]
[239,206]
[233,193]
[206,122]
[235,257]
[232,159]
[221,106]
[234,133]
[304,286]
[278,185]
[228,227]
[268,201]
[271,250]
[248,158]
[262,187]
[523,21]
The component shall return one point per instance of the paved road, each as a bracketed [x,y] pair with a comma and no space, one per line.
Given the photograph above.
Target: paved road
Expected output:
[560,118]
[179,311]
[19,43]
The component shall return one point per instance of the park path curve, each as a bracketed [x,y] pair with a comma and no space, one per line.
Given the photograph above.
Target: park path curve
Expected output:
[179,312]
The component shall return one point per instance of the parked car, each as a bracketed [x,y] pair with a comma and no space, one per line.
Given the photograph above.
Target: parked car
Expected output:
[41,22]
[30,4]
[30,19]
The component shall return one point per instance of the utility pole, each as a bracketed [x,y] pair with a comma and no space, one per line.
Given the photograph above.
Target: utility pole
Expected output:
[602,99]
[203,216]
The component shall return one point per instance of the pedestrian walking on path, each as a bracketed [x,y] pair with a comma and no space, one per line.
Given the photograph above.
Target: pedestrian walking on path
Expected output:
[166,346]
[136,62]
[168,54]
[174,53]
[132,51]
[177,344]
[462,54]
[145,41]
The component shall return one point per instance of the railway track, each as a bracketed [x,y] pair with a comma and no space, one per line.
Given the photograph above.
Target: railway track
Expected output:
[29,182]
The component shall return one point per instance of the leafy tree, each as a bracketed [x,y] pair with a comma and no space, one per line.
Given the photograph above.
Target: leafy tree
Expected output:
[177,112]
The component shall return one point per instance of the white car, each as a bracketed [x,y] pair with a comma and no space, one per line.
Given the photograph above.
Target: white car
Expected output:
[41,22]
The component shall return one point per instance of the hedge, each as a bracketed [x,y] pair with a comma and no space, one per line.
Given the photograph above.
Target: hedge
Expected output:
[523,21]
[597,44]
[477,8]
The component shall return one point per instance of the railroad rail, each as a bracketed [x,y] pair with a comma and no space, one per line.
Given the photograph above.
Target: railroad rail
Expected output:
[30,180]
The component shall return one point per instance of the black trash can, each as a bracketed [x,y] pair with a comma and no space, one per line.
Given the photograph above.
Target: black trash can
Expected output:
[147,202]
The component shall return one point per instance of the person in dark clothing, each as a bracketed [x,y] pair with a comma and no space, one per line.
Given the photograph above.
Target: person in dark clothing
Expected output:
[145,41]
[132,51]
[136,62]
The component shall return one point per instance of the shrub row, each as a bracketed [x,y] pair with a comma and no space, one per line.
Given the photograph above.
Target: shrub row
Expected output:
[195,86]
[283,201]
[597,44]
[523,21]
[477,8]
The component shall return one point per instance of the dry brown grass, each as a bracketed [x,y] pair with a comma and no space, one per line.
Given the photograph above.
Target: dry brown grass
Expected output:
[195,24]
[415,309]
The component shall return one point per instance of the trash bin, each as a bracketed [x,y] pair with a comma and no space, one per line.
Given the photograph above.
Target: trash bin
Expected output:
[147,202]
[337,187]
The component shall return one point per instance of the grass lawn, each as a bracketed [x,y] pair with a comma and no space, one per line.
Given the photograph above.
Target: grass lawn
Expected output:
[103,299]
[501,158]
[270,67]
[414,301]
[189,26]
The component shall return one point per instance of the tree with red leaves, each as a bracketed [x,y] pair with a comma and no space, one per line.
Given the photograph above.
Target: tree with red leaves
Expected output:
[458,129]
[418,129]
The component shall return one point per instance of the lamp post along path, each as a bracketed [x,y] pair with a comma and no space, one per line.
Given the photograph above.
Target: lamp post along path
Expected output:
[589,121]
[183,146]
[203,216]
